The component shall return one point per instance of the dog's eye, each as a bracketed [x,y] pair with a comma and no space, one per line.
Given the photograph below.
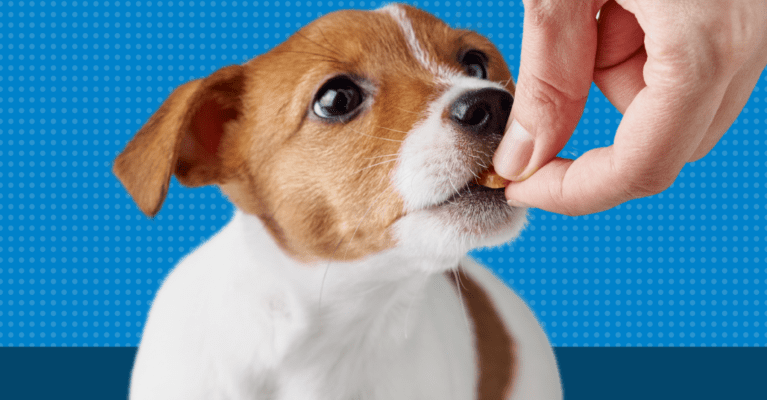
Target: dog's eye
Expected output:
[337,98]
[475,64]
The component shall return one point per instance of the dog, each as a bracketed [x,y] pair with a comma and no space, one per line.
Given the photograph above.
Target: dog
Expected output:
[358,156]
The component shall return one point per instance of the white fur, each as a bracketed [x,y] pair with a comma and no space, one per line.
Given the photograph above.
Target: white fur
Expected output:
[237,319]
[431,168]
[440,72]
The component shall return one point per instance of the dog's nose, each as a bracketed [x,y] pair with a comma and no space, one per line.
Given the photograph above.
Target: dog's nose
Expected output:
[483,111]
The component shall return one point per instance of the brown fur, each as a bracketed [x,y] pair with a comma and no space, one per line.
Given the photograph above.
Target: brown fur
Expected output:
[182,137]
[494,344]
[250,129]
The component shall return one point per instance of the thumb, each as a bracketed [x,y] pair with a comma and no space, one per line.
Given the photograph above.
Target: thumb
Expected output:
[559,44]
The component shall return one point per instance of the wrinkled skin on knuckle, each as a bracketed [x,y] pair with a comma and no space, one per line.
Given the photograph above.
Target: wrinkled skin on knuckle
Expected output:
[553,109]
[740,30]
[545,94]
[679,65]
[706,46]
[644,182]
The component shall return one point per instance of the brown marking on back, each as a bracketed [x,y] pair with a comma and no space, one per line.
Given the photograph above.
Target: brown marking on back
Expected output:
[494,344]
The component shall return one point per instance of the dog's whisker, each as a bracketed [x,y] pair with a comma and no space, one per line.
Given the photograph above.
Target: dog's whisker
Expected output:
[315,43]
[407,111]
[328,41]
[393,130]
[382,156]
[378,137]
[338,246]
[463,35]
[457,275]
[373,203]
[322,57]
[410,307]
[453,185]
[374,165]
[504,82]
[371,136]
[325,275]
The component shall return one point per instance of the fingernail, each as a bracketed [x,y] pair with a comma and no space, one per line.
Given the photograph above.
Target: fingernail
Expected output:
[514,152]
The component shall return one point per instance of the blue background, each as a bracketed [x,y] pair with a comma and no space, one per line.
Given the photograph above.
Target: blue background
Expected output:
[79,264]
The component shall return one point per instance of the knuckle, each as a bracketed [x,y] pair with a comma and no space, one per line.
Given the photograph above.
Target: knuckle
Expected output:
[647,186]
[551,95]
[645,182]
[712,46]
[730,39]
[742,31]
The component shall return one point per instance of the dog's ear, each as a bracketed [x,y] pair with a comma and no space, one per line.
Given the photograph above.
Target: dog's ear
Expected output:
[183,137]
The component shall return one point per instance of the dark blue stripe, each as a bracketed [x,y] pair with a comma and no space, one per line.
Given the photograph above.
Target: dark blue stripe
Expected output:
[589,373]
[653,373]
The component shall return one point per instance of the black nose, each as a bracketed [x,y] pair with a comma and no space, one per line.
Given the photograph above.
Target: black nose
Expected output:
[483,111]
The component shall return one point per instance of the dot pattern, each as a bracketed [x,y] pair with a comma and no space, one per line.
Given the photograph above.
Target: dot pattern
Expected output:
[79,264]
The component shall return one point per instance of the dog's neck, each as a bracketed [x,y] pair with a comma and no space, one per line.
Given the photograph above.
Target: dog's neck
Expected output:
[329,316]
[344,294]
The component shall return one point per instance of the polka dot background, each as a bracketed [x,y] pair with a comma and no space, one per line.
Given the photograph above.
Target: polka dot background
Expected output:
[79,264]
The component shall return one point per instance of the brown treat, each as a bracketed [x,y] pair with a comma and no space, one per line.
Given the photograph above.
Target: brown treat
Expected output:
[490,179]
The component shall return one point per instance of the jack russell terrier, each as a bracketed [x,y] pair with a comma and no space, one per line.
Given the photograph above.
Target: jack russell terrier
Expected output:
[358,156]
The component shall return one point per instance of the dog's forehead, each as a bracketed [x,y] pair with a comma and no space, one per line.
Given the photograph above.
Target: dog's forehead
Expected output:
[395,37]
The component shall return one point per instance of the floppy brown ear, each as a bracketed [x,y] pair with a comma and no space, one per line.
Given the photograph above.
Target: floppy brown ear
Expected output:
[182,137]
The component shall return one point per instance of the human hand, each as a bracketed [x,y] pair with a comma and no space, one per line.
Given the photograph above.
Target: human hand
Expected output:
[680,72]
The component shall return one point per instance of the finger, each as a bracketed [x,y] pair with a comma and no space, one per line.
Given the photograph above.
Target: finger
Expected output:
[620,56]
[645,159]
[619,36]
[689,68]
[555,74]
[546,189]
[621,83]
[735,99]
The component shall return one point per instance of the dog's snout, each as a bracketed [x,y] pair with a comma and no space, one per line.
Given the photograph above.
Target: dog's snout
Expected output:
[483,112]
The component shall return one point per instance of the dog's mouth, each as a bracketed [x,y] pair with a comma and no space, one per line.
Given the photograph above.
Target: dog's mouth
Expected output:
[490,179]
[479,209]
[486,187]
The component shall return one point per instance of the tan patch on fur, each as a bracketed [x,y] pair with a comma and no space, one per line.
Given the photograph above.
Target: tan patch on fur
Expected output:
[494,344]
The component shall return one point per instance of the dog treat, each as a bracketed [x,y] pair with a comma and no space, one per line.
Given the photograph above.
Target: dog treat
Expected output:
[490,179]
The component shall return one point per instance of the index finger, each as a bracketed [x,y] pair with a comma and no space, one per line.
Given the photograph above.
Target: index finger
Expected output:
[652,145]
[559,44]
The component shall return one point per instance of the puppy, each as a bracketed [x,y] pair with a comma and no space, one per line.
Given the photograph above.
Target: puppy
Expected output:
[352,153]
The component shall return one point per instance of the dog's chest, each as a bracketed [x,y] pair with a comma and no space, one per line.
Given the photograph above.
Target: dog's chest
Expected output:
[238,329]
[425,352]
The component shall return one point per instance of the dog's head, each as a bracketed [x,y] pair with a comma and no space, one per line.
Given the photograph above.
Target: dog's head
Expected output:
[362,132]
